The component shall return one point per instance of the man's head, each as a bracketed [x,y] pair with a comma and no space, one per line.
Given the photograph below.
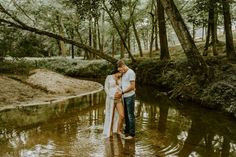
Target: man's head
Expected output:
[121,66]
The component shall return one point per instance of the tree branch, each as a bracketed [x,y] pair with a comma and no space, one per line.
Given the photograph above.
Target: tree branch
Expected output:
[23,11]
[3,10]
[59,37]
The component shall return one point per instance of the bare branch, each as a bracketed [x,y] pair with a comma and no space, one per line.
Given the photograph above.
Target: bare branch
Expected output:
[3,10]
[23,11]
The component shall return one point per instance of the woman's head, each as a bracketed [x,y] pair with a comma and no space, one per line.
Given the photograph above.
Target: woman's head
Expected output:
[116,72]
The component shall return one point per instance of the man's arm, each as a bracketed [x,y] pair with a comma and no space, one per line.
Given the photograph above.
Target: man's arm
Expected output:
[130,87]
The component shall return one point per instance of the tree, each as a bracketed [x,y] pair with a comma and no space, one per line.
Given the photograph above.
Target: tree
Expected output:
[212,27]
[230,49]
[153,24]
[164,50]
[118,7]
[194,58]
[12,21]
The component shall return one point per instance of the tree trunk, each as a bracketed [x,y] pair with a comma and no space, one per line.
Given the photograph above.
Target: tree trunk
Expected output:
[195,60]
[99,37]
[137,39]
[156,38]
[90,36]
[230,49]
[119,32]
[62,47]
[164,51]
[153,29]
[194,32]
[113,45]
[214,30]
[209,28]
[95,35]
[20,25]
[129,41]
[72,46]
[152,37]
[203,32]
[103,33]
[122,50]
[60,37]
[156,27]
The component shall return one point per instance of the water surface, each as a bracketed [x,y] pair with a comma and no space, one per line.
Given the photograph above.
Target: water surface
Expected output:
[74,128]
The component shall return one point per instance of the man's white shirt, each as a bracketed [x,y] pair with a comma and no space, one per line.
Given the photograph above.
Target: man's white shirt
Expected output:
[125,82]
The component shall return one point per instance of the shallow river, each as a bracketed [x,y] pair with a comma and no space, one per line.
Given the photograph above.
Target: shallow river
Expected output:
[73,128]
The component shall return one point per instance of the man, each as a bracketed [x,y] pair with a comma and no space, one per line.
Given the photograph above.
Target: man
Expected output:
[128,92]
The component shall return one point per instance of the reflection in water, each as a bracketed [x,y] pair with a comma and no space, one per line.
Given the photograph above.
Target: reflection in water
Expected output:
[74,128]
[116,147]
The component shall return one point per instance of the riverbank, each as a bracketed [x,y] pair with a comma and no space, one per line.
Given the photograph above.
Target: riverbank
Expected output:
[41,86]
[173,78]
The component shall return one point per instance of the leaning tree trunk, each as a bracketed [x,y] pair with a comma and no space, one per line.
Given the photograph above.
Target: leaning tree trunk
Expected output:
[137,38]
[230,49]
[20,25]
[119,32]
[195,60]
[164,51]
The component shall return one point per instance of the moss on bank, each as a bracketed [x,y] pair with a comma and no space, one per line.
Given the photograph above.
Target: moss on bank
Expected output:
[173,77]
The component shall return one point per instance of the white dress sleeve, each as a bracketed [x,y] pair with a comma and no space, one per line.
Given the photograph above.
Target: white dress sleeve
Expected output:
[110,93]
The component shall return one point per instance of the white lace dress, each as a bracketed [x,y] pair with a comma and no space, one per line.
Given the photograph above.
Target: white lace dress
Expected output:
[110,89]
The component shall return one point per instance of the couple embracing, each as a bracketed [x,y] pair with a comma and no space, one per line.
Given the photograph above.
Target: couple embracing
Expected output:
[120,101]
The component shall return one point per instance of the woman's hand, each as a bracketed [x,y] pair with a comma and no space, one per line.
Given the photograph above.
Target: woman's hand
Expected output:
[118,95]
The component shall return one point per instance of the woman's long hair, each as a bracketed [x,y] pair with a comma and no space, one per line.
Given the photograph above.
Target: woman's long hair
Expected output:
[114,71]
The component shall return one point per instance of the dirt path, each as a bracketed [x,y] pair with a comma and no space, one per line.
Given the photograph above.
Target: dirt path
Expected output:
[41,86]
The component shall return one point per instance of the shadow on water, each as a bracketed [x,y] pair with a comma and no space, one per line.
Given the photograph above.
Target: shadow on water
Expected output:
[74,128]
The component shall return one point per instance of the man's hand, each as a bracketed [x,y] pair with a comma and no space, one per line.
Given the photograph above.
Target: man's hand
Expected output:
[118,95]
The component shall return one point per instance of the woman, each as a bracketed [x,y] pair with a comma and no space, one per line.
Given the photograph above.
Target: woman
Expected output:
[114,112]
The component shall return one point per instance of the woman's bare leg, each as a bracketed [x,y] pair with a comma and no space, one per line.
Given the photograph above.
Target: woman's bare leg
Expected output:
[120,108]
[113,112]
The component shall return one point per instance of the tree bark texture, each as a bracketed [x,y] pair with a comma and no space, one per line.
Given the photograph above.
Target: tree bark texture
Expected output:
[230,49]
[164,51]
[194,58]
[137,39]
[61,44]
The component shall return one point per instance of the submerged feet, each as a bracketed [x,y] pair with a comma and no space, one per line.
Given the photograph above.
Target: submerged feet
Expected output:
[129,137]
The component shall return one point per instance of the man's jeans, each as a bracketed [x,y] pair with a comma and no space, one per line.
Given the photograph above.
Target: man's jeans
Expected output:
[129,103]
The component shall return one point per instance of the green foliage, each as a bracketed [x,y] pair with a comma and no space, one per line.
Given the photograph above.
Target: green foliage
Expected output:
[159,73]
[85,8]
[20,67]
[18,44]
[30,46]
[78,68]
[7,39]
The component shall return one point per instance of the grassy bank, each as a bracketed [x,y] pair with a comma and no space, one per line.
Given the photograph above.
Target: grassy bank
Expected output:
[173,77]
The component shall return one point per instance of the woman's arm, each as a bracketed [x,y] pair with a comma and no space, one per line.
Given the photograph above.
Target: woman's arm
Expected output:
[106,85]
[107,88]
